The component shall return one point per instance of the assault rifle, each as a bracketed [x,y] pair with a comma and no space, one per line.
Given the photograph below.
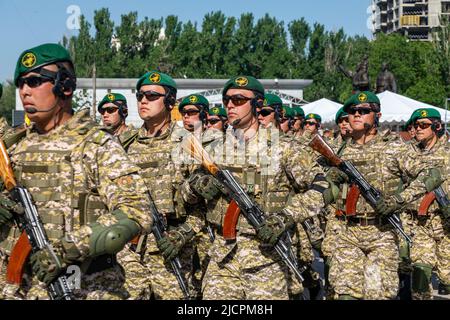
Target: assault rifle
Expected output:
[360,185]
[241,202]
[437,194]
[33,237]
[158,229]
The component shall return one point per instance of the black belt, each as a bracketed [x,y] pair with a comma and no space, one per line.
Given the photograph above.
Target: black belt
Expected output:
[101,263]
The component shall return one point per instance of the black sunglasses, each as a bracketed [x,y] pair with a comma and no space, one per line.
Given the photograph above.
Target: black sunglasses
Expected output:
[310,123]
[33,81]
[190,113]
[343,119]
[214,121]
[361,111]
[109,110]
[265,112]
[238,100]
[149,95]
[422,125]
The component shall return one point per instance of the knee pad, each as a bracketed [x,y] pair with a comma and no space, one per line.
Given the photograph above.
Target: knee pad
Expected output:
[111,239]
[421,277]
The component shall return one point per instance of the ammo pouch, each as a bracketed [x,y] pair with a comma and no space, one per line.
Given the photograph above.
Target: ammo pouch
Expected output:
[98,264]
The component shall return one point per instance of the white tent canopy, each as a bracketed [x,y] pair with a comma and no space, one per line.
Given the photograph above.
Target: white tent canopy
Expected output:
[394,108]
[398,108]
[327,109]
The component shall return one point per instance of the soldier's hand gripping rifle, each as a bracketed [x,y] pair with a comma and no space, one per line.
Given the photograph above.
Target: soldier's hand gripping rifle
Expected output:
[437,194]
[158,229]
[33,237]
[242,201]
[369,193]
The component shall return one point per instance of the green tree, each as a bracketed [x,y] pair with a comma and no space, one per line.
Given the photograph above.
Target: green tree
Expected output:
[8,101]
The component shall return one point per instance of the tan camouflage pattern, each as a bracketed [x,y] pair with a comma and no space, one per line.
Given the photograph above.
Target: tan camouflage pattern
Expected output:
[366,258]
[164,175]
[431,233]
[59,167]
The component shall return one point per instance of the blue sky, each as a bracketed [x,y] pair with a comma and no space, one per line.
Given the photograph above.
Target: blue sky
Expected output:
[26,24]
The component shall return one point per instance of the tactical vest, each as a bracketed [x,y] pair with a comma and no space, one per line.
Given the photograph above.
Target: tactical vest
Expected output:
[370,161]
[438,157]
[261,187]
[51,168]
[153,155]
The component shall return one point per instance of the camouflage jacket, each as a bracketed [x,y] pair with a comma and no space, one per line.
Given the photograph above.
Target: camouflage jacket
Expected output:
[77,175]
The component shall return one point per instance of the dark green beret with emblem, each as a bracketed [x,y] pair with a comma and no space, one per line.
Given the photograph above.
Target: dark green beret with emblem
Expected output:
[313,116]
[424,113]
[196,100]
[37,57]
[244,82]
[299,111]
[360,98]
[341,113]
[218,111]
[111,98]
[156,78]
[288,112]
[272,100]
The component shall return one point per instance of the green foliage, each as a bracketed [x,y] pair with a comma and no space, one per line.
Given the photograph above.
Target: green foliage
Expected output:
[221,46]
[8,101]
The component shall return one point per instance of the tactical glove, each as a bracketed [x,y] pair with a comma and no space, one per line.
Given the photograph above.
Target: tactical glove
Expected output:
[388,205]
[8,207]
[47,266]
[205,185]
[433,179]
[330,195]
[273,227]
[336,176]
[174,240]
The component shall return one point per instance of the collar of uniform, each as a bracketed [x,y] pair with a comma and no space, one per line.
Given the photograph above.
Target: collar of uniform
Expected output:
[378,138]
[143,137]
[78,121]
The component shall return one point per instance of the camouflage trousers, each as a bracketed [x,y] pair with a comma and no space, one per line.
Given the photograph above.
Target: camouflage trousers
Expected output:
[431,238]
[202,245]
[303,251]
[365,262]
[164,284]
[137,276]
[244,270]
[333,228]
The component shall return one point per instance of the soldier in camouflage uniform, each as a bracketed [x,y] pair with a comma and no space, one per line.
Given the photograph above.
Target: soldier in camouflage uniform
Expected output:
[312,123]
[114,111]
[430,226]
[297,128]
[152,149]
[365,262]
[269,114]
[287,119]
[89,196]
[247,268]
[217,119]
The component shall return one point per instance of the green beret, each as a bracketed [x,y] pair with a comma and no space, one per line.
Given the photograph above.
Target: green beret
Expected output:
[156,78]
[299,111]
[314,116]
[112,97]
[1,90]
[361,97]
[244,82]
[218,111]
[196,100]
[40,56]
[288,112]
[341,113]
[424,113]
[271,99]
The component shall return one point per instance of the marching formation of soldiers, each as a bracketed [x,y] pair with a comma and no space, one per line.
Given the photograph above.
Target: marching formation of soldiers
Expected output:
[98,190]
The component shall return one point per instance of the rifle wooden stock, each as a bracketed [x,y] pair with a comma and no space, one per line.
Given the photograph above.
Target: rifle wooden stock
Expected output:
[230,221]
[318,144]
[17,259]
[195,149]
[352,200]
[6,172]
[22,248]
[426,203]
